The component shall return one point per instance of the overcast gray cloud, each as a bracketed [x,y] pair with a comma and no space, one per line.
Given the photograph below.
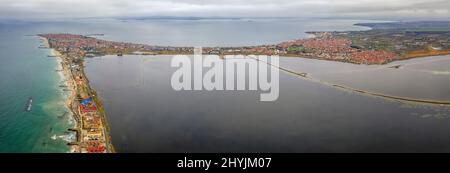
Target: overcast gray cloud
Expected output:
[61,9]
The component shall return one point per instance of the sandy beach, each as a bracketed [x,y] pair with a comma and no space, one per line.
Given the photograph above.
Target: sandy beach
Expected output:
[84,124]
[70,85]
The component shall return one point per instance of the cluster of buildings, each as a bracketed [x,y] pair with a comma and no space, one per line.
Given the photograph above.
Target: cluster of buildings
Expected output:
[411,41]
[80,42]
[264,50]
[92,136]
[372,57]
[369,47]
[79,45]
[323,46]
[92,130]
[320,47]
[403,42]
[247,50]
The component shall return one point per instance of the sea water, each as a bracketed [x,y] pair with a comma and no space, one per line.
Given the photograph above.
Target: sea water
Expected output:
[25,70]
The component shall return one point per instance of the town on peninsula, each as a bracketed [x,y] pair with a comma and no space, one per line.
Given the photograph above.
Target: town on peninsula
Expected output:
[382,44]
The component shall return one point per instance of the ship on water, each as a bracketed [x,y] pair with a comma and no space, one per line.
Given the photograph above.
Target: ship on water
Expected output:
[29,104]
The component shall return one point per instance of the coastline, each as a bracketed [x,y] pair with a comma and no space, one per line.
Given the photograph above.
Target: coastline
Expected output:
[73,69]
[71,97]
[68,97]
[64,77]
[71,100]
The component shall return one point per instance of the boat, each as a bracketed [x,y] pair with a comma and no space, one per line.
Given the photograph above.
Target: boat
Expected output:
[29,104]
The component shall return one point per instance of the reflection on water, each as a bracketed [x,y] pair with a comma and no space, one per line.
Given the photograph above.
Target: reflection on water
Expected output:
[146,115]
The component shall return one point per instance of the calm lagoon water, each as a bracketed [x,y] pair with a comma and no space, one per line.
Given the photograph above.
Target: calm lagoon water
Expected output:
[147,115]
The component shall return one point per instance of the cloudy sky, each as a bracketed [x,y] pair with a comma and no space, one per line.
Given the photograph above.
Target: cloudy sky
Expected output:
[63,9]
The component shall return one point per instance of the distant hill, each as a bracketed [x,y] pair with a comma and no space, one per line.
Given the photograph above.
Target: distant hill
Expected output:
[411,26]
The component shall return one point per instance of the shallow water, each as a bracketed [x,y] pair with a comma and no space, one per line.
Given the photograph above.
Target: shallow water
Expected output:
[27,71]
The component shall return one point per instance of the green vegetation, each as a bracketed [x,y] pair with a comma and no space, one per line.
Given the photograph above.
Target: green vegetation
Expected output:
[101,110]
[400,37]
[298,49]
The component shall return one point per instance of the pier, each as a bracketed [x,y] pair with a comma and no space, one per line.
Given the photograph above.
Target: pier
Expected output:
[386,96]
[77,131]
[439,102]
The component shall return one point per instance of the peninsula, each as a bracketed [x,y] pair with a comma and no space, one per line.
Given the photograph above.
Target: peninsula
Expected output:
[384,43]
